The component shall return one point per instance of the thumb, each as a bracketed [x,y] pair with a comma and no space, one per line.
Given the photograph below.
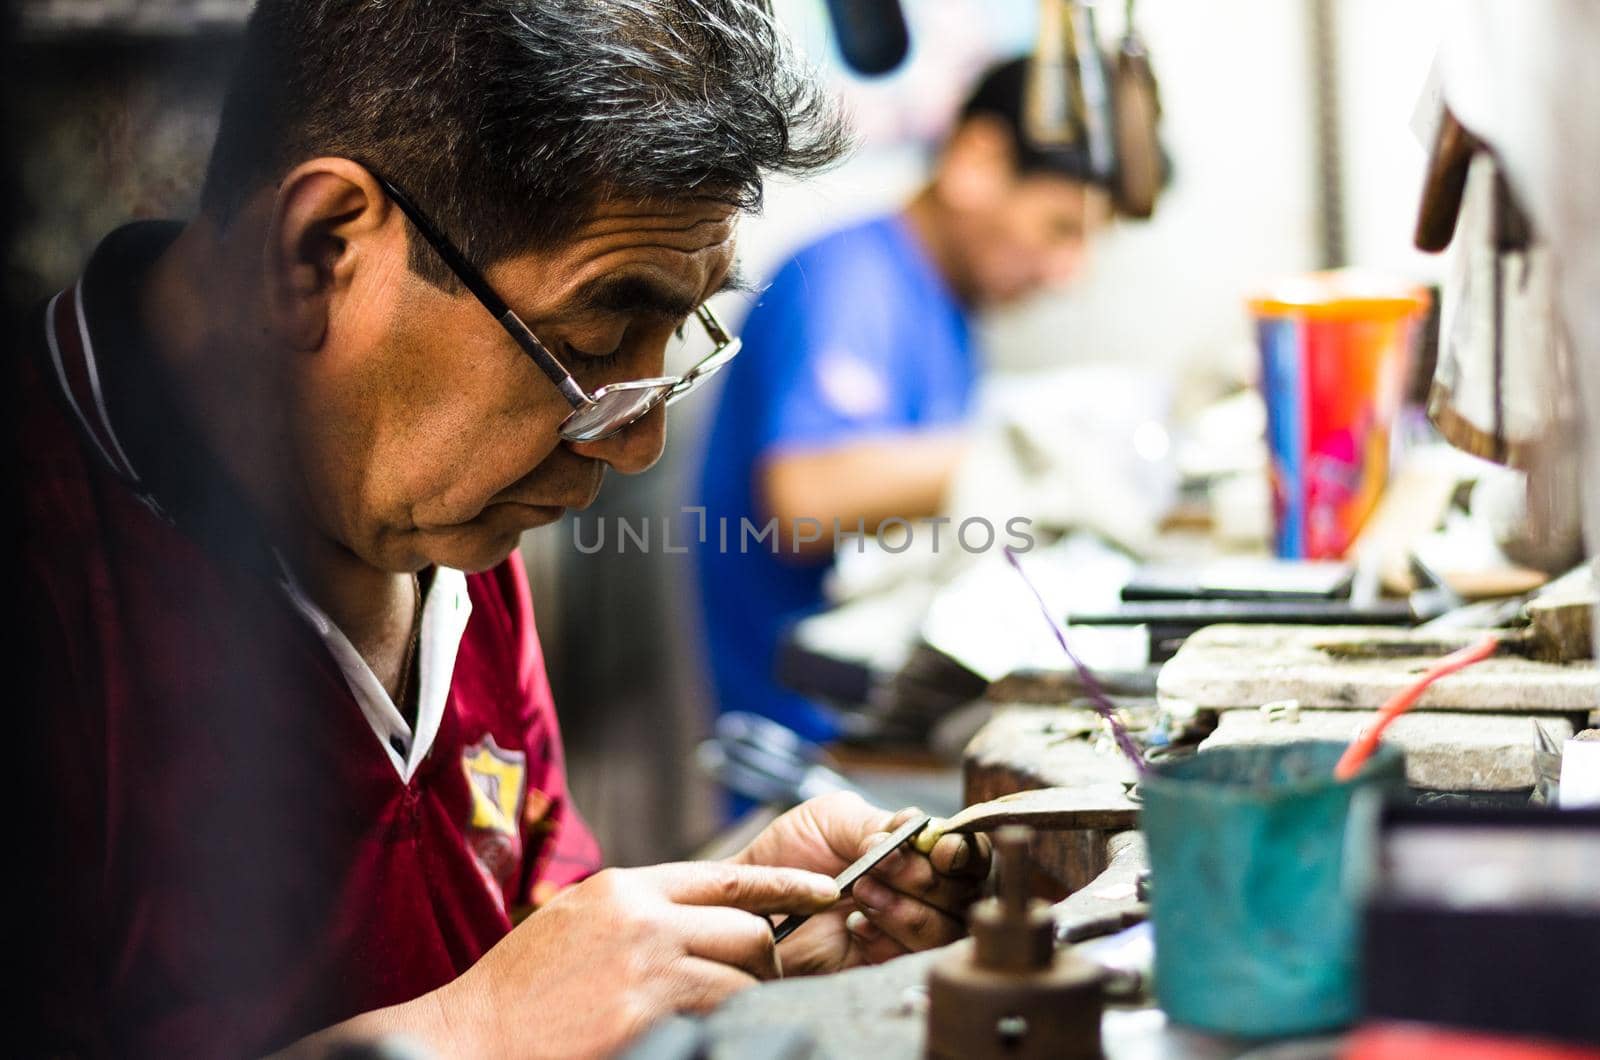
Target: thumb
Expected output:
[846,822]
[758,889]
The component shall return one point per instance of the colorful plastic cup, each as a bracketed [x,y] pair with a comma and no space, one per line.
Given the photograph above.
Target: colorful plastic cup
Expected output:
[1335,352]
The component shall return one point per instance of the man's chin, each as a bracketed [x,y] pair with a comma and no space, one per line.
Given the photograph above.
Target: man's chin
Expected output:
[486,541]
[471,553]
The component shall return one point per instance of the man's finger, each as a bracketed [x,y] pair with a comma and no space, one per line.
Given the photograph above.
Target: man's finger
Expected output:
[918,875]
[872,944]
[732,937]
[862,928]
[913,875]
[841,818]
[698,985]
[753,888]
[964,856]
[910,921]
[951,854]
[902,816]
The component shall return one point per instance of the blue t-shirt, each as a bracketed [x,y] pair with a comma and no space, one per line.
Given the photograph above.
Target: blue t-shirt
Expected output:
[857,336]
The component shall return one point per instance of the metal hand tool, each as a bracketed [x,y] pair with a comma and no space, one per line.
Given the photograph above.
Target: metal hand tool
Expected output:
[859,868]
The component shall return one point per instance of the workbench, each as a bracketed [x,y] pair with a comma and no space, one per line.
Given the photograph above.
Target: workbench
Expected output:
[880,1012]
[1473,740]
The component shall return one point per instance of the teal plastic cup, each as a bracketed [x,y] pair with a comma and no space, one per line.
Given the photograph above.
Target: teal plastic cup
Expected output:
[1254,913]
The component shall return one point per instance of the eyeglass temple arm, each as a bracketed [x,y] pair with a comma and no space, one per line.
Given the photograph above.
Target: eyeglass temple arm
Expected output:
[485,294]
[708,320]
[544,359]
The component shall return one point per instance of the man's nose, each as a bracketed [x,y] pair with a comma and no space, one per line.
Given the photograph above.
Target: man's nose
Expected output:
[633,449]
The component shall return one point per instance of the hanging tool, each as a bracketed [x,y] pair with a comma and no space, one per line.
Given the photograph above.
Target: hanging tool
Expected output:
[1066,103]
[1136,116]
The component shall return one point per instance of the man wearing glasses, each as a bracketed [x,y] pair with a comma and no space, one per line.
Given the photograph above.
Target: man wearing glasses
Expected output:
[294,752]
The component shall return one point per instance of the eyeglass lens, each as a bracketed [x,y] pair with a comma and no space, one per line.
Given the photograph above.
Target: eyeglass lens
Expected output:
[611,410]
[617,406]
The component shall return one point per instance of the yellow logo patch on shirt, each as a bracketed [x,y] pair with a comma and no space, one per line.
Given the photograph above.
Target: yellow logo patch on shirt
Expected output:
[499,779]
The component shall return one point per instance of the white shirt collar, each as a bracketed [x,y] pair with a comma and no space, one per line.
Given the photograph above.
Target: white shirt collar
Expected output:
[445,610]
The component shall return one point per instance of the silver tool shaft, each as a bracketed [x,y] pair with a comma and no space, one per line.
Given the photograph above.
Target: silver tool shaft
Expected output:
[859,868]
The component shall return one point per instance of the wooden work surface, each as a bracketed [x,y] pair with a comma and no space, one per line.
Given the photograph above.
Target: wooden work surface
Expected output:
[1322,667]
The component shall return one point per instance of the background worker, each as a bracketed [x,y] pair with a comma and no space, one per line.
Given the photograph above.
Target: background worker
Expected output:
[850,399]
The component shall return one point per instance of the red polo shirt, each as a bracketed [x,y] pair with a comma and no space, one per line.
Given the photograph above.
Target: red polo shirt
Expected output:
[232,857]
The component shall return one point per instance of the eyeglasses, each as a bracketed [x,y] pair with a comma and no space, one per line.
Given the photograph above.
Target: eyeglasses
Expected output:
[597,416]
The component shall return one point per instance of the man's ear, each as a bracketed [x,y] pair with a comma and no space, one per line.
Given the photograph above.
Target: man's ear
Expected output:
[978,165]
[328,215]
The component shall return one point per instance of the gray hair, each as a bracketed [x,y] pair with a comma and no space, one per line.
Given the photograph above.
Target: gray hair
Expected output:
[507,120]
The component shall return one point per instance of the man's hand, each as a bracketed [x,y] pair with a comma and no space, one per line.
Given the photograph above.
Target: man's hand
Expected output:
[872,480]
[604,960]
[911,901]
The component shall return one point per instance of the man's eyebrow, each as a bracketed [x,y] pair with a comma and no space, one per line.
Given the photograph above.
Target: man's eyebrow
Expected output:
[644,295]
[736,280]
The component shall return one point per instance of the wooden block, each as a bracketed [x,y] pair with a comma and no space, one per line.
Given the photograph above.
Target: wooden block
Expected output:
[1028,747]
[1444,751]
[1358,668]
[1051,746]
[1563,616]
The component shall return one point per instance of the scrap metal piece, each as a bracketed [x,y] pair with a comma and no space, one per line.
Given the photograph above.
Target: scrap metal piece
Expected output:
[1546,766]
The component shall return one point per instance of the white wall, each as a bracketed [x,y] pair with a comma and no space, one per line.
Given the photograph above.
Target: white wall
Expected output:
[1387,48]
[1237,121]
